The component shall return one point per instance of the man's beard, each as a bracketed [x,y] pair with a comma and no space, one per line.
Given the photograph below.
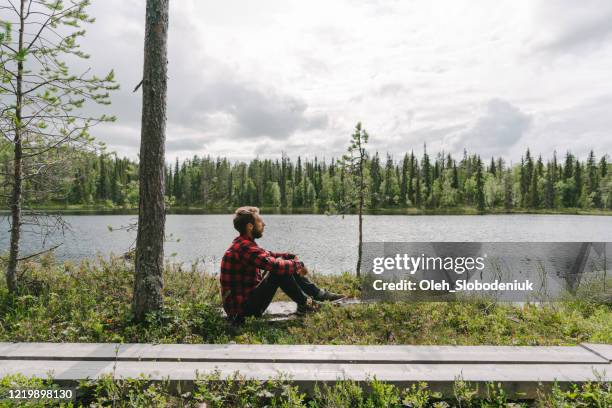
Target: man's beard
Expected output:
[257,234]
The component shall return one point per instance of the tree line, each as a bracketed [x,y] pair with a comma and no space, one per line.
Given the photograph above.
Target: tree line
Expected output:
[424,182]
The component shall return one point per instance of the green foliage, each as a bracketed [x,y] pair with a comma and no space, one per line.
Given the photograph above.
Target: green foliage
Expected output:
[91,302]
[42,101]
[106,181]
[590,394]
[238,391]
[420,396]
[353,167]
[18,381]
[125,392]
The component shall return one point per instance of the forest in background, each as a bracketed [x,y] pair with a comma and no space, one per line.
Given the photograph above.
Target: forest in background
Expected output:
[424,182]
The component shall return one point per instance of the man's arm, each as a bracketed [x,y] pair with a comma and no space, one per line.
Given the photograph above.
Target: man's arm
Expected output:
[284,255]
[262,259]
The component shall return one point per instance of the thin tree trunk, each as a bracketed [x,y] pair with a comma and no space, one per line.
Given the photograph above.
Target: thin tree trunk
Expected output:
[148,282]
[360,248]
[11,270]
[361,193]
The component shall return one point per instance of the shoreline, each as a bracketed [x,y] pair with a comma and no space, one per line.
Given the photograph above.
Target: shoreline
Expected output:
[94,210]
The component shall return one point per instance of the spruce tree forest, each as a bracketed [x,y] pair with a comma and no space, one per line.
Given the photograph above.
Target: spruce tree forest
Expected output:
[433,183]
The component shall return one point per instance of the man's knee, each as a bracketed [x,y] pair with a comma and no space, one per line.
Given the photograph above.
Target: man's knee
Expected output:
[278,278]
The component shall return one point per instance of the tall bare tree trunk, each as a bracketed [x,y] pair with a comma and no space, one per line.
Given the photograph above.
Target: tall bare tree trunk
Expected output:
[360,247]
[148,282]
[11,270]
[361,200]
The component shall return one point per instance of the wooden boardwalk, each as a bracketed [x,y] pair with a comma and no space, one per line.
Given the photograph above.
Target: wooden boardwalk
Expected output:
[519,369]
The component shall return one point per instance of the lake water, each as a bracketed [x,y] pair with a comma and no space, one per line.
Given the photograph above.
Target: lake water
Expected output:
[327,244]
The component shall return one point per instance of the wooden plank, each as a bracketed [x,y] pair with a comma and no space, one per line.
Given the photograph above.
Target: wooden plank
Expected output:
[300,353]
[75,370]
[5,348]
[50,351]
[602,350]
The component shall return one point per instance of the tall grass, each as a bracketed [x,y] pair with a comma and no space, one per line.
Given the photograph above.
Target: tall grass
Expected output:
[90,302]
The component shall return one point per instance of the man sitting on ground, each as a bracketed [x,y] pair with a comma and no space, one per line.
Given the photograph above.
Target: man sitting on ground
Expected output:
[245,292]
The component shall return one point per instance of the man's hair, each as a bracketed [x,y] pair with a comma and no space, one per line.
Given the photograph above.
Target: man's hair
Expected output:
[244,216]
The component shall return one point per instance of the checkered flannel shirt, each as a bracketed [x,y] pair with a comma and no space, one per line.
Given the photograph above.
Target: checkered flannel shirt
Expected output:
[241,271]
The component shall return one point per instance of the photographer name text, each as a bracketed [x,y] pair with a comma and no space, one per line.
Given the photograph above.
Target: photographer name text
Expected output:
[457,286]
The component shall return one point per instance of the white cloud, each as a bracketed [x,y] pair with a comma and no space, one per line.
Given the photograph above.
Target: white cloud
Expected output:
[499,127]
[561,27]
[579,128]
[295,77]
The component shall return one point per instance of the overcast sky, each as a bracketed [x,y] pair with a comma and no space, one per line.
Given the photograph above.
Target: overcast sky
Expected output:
[260,78]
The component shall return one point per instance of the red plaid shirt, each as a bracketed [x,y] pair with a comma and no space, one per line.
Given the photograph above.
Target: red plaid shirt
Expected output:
[241,271]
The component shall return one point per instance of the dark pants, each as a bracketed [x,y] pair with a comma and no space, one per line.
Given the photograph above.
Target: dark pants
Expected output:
[295,286]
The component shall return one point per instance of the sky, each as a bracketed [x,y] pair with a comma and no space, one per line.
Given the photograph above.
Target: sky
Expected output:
[258,79]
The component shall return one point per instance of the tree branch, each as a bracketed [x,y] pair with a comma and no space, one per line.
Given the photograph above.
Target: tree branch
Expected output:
[39,253]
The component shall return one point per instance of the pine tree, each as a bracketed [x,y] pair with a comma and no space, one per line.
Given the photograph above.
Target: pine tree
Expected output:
[603,167]
[455,178]
[426,174]
[528,168]
[524,188]
[404,180]
[390,182]
[568,167]
[508,186]
[534,198]
[549,188]
[42,119]
[101,188]
[578,184]
[176,182]
[353,164]
[593,180]
[418,197]
[412,172]
[500,167]
[283,181]
[114,182]
[480,197]
[376,181]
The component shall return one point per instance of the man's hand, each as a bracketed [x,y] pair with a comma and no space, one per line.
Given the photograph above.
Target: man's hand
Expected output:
[303,271]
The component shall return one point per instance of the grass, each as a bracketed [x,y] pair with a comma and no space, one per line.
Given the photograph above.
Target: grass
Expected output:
[238,391]
[90,302]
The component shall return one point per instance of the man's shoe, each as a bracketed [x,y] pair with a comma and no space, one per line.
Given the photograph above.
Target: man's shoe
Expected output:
[311,306]
[327,296]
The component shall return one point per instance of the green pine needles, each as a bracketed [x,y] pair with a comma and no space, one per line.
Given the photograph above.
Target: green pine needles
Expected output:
[42,103]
